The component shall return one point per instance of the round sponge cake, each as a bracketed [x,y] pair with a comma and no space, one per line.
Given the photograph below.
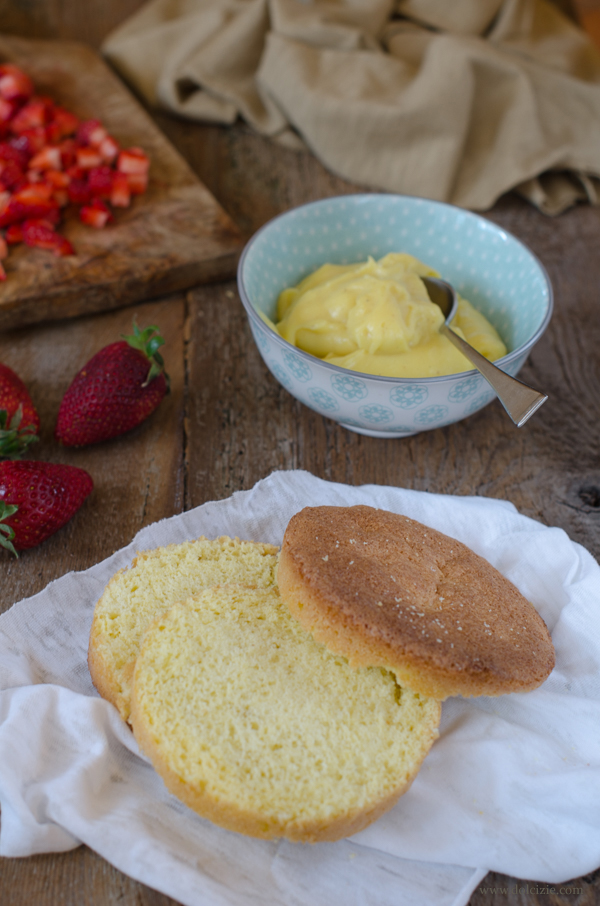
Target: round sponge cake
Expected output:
[264,731]
[156,580]
[385,590]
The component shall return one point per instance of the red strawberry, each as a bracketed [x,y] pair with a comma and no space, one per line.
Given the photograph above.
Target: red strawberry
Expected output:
[14,234]
[63,123]
[7,110]
[37,499]
[41,234]
[78,191]
[133,160]
[91,132]
[87,158]
[116,391]
[96,214]
[9,152]
[19,421]
[35,113]
[49,158]
[100,181]
[10,174]
[120,196]
[14,84]
[30,203]
[109,149]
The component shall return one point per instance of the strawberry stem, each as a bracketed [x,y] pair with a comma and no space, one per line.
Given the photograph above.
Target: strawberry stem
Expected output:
[14,440]
[149,341]
[6,532]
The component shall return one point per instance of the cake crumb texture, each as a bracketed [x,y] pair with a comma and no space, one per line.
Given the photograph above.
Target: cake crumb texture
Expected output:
[156,580]
[262,730]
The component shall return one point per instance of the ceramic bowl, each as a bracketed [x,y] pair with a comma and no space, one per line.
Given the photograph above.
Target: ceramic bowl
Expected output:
[496,272]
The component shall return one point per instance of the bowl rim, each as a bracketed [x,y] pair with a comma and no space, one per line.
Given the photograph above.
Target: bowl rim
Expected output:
[255,317]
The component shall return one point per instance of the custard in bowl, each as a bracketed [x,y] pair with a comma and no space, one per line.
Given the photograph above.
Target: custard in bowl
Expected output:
[348,236]
[376,317]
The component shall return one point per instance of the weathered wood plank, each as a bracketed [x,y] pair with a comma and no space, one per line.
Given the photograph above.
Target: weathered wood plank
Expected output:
[76,878]
[66,21]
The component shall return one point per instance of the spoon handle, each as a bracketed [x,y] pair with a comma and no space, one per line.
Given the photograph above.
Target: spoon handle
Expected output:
[519,400]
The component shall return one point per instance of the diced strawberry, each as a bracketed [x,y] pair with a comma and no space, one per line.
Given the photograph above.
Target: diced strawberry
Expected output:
[7,110]
[39,233]
[10,174]
[9,152]
[14,234]
[67,153]
[120,197]
[100,181]
[138,183]
[57,178]
[64,247]
[97,214]
[30,141]
[108,149]
[76,172]
[97,136]
[91,132]
[32,194]
[79,191]
[52,217]
[59,182]
[133,160]
[32,115]
[87,158]
[31,202]
[49,158]
[63,124]
[14,84]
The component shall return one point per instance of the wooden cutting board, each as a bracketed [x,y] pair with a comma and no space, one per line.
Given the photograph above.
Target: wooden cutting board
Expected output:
[174,236]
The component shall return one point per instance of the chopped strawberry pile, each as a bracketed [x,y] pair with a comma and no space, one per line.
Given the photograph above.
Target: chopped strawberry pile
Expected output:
[49,159]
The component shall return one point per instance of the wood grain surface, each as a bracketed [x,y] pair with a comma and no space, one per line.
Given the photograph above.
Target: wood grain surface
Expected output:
[228,423]
[172,237]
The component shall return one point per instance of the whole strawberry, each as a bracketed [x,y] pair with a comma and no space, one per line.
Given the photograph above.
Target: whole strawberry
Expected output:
[19,421]
[118,389]
[36,499]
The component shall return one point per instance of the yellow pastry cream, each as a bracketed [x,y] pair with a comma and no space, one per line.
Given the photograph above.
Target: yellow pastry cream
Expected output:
[376,317]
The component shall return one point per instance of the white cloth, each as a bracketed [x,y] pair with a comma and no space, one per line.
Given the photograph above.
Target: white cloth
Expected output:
[512,784]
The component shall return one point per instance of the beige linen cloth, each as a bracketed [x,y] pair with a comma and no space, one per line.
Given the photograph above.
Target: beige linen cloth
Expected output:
[454,100]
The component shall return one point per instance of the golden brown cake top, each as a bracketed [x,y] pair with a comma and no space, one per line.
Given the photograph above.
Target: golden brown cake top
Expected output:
[384,589]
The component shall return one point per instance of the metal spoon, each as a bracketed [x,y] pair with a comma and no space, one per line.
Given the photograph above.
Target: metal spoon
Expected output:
[519,400]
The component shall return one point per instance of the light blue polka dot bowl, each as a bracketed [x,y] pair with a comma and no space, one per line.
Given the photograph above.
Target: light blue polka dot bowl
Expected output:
[487,265]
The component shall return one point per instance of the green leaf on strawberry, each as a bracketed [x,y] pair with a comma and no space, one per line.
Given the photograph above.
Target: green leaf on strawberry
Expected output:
[15,439]
[19,421]
[6,532]
[146,342]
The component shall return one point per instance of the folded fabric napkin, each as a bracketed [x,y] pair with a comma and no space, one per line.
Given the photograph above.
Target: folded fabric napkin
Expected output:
[512,784]
[458,102]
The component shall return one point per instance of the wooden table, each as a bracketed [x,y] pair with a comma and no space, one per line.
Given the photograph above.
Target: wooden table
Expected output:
[228,423]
